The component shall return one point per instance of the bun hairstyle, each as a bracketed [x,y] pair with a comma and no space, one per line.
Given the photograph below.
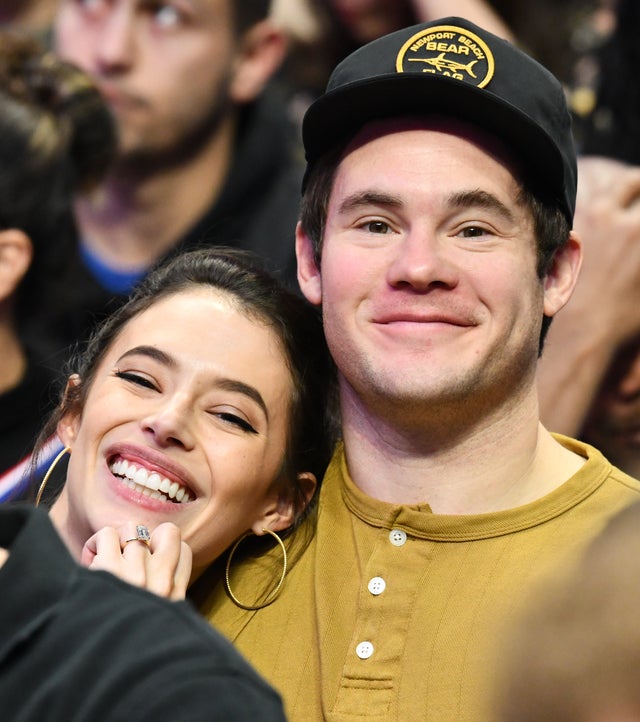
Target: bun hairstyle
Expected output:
[57,137]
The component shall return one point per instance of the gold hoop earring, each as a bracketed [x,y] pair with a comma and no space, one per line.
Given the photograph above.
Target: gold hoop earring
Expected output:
[273,595]
[52,466]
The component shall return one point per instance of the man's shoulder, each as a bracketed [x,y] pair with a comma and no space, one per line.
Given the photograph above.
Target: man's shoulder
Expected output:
[598,464]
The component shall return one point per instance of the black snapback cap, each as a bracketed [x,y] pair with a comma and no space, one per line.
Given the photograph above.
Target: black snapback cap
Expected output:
[455,68]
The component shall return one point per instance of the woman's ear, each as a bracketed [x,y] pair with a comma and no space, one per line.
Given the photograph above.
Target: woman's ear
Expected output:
[282,511]
[69,423]
[16,253]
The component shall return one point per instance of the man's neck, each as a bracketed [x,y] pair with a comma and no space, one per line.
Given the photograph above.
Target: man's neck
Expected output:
[132,220]
[505,461]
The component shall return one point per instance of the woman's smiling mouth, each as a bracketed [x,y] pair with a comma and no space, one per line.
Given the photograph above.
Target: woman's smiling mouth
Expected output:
[149,483]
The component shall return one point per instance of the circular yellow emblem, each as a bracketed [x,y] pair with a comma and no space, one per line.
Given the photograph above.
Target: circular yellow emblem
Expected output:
[449,51]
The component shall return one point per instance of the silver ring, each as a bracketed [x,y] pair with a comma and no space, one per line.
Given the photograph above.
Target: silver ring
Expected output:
[142,535]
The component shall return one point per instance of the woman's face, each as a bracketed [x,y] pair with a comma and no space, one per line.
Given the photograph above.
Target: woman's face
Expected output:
[185,421]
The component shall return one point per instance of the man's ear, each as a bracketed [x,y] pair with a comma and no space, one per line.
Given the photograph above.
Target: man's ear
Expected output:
[562,276]
[69,423]
[262,51]
[308,272]
[281,511]
[16,253]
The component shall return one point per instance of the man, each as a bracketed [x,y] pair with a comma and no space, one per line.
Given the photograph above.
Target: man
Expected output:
[435,233]
[81,645]
[205,153]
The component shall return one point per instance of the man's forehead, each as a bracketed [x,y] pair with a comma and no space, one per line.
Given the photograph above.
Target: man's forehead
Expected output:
[486,142]
[376,129]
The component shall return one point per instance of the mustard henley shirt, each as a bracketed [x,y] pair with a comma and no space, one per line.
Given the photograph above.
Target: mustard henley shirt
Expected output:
[396,613]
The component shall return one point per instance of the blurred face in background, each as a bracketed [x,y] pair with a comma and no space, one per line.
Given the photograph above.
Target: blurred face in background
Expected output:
[369,19]
[166,68]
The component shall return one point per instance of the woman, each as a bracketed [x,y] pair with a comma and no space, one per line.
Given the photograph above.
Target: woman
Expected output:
[56,136]
[205,402]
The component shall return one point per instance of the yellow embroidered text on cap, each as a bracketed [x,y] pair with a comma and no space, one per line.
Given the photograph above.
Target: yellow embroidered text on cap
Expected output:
[450,51]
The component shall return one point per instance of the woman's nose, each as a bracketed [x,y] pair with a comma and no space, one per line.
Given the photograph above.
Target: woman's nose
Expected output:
[171,423]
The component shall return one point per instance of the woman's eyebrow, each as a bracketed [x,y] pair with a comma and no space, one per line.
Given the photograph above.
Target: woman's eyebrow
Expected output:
[227,384]
[239,387]
[151,352]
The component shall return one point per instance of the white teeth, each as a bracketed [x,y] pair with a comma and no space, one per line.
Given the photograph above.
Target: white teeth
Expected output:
[149,483]
[154,481]
[140,477]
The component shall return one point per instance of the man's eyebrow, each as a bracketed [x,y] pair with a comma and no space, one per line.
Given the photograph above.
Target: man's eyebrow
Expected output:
[226,384]
[368,198]
[480,199]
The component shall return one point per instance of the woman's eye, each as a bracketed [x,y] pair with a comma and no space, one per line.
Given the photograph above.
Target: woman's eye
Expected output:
[136,379]
[236,421]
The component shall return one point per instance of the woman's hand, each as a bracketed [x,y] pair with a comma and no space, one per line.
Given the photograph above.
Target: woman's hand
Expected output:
[163,566]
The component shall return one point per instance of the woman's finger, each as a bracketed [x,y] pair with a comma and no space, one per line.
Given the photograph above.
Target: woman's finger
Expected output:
[169,567]
[102,550]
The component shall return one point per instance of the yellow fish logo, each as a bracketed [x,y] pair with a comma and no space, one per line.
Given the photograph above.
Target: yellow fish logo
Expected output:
[448,50]
[441,63]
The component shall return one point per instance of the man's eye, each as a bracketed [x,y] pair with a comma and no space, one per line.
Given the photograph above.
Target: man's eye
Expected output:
[377,227]
[473,232]
[136,379]
[91,5]
[166,16]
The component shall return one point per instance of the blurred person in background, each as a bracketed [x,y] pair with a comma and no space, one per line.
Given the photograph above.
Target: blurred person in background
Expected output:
[32,16]
[205,153]
[56,136]
[590,373]
[574,655]
[324,32]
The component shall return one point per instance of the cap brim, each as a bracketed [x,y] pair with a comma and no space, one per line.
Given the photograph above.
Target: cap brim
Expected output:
[336,117]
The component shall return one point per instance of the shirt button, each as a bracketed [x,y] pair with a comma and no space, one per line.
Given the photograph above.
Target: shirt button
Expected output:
[364,650]
[397,537]
[377,585]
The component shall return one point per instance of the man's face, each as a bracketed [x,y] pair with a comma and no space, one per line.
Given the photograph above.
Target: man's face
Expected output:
[428,273]
[165,66]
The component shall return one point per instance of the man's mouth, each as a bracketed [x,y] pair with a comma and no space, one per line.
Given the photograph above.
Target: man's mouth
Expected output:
[149,483]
